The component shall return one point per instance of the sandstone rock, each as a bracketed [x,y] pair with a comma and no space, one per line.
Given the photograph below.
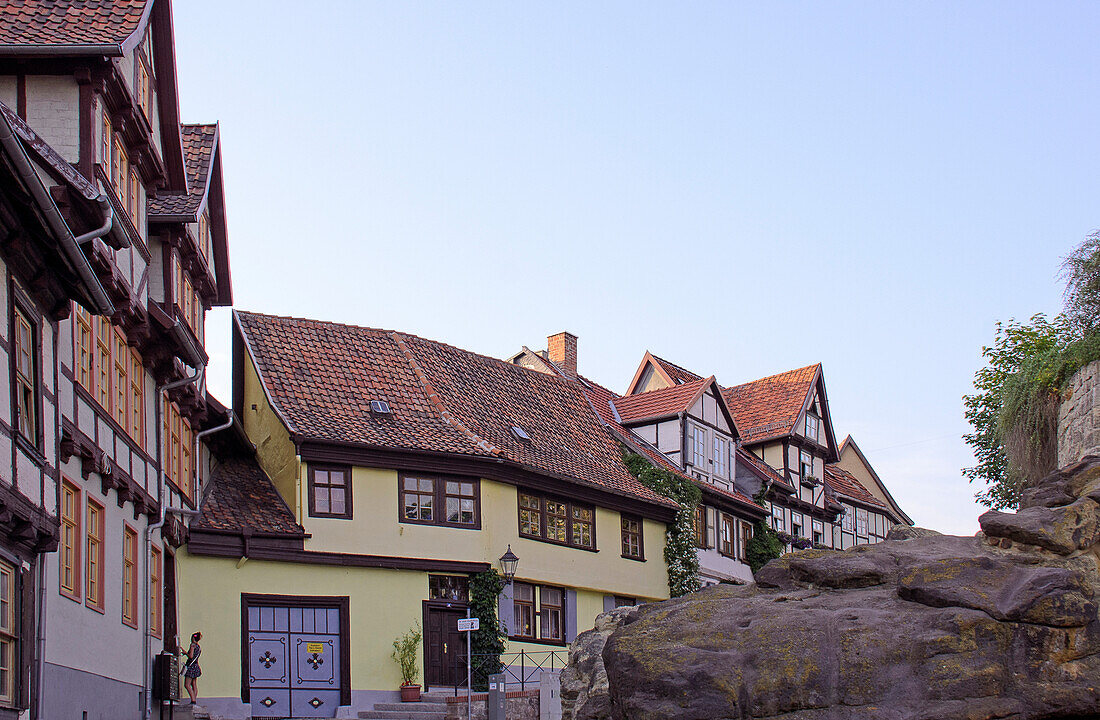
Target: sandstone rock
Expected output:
[907,532]
[1063,529]
[921,626]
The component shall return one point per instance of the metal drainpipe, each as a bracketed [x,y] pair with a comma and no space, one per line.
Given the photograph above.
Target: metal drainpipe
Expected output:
[69,245]
[147,670]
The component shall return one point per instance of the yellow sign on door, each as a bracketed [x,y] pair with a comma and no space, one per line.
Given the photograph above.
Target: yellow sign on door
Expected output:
[315,648]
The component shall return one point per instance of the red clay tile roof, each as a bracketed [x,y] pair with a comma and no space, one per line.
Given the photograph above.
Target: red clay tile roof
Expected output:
[659,403]
[72,23]
[769,407]
[322,377]
[678,374]
[198,153]
[844,483]
[241,497]
[601,397]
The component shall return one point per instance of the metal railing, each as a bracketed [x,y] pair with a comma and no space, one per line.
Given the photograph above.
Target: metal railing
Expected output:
[519,668]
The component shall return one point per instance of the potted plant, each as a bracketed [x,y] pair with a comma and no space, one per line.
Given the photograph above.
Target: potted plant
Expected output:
[405,649]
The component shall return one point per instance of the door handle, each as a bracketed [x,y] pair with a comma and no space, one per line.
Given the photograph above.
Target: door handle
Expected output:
[444,648]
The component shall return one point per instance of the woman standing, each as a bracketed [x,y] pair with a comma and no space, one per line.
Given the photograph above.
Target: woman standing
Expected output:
[191,670]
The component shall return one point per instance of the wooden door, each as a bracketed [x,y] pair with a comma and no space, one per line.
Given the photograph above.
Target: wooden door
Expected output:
[169,611]
[445,647]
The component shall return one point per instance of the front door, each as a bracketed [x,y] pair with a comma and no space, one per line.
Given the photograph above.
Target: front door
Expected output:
[294,661]
[445,647]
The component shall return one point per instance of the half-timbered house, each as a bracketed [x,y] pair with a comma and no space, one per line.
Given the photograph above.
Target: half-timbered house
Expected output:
[387,470]
[121,398]
[685,427]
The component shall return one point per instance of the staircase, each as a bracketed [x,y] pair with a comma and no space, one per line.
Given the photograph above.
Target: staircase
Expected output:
[430,707]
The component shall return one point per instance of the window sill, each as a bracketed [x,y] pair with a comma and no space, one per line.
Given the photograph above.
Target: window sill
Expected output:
[430,523]
[129,624]
[96,608]
[536,538]
[538,641]
[329,516]
[72,596]
[634,558]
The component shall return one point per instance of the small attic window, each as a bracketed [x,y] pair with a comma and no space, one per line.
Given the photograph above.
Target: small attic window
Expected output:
[520,434]
[380,406]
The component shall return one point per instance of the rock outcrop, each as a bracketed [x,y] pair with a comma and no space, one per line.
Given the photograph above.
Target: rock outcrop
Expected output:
[923,626]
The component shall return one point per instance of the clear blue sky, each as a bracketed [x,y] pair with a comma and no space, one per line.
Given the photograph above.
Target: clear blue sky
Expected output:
[742,189]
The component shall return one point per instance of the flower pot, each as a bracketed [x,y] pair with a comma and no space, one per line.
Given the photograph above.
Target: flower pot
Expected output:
[410,693]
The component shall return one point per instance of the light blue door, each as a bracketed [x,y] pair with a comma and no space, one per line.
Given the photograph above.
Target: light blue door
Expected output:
[294,661]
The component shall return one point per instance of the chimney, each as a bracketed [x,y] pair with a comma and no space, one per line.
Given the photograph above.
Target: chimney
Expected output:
[562,349]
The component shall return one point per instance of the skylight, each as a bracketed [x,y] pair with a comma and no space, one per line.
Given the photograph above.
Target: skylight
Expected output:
[380,406]
[520,434]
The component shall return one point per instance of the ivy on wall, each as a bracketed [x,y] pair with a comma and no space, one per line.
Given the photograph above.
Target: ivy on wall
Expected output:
[680,556]
[487,642]
[765,544]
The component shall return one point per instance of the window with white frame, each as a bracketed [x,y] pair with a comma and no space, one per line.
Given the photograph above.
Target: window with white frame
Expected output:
[721,450]
[818,531]
[699,445]
[813,426]
[807,462]
[846,519]
[861,521]
[777,519]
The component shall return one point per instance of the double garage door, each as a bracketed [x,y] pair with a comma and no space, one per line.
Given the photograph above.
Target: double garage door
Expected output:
[294,659]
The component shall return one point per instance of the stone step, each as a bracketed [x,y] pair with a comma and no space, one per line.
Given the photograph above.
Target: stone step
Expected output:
[402,715]
[413,707]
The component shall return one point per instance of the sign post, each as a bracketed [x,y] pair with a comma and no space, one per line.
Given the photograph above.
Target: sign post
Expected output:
[468,626]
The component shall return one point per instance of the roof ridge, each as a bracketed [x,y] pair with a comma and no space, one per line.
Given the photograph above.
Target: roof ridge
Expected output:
[436,401]
[770,377]
[678,367]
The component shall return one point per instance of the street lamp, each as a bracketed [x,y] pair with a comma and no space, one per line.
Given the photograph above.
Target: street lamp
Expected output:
[508,563]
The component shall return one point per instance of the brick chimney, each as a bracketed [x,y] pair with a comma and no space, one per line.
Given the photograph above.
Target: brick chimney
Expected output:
[562,349]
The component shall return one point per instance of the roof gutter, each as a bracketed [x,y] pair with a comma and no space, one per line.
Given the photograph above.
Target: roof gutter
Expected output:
[69,245]
[110,50]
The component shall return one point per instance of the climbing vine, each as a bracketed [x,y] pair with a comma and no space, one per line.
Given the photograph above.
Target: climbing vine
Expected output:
[680,556]
[487,642]
[765,544]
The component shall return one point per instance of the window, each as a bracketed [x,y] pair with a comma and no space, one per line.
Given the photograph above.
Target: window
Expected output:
[70,541]
[144,90]
[557,521]
[179,462]
[632,537]
[701,526]
[106,141]
[93,557]
[728,546]
[746,535]
[778,522]
[699,446]
[846,519]
[129,576]
[137,398]
[796,525]
[813,424]
[523,607]
[103,362]
[448,587]
[121,170]
[807,461]
[155,571]
[186,298]
[435,500]
[861,521]
[818,529]
[9,634]
[121,363]
[720,452]
[551,602]
[26,378]
[133,195]
[204,236]
[85,361]
[549,611]
[621,601]
[330,491]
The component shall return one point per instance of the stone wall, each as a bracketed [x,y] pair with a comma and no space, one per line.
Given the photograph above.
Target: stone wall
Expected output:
[1079,415]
